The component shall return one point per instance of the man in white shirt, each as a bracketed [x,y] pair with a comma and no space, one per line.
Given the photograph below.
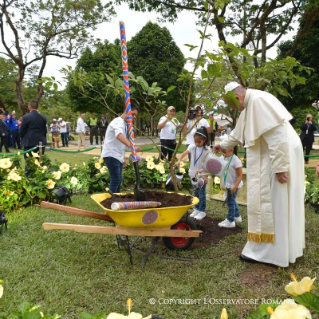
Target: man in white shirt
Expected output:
[194,124]
[275,176]
[114,146]
[168,125]
[81,130]
[63,131]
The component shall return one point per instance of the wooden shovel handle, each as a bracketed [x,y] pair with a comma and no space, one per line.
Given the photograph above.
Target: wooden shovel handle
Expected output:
[76,211]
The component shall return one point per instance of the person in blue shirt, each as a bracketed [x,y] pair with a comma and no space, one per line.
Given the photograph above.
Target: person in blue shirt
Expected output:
[15,130]
[6,120]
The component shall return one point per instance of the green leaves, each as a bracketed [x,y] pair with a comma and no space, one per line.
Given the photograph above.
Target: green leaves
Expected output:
[309,300]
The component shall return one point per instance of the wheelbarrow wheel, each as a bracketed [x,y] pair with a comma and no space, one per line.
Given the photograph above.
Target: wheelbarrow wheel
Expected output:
[181,243]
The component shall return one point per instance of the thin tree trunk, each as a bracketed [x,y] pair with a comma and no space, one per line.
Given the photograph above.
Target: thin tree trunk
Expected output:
[20,98]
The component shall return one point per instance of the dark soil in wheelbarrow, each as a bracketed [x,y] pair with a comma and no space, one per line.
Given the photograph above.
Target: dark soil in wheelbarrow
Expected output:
[167,199]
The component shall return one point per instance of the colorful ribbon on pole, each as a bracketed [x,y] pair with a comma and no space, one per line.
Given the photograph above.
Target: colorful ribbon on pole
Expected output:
[128,111]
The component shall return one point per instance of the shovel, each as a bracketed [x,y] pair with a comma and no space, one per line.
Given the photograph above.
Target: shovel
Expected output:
[138,194]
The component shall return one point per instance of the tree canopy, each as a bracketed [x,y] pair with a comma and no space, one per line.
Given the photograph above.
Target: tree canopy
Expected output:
[153,54]
[253,19]
[46,28]
[94,66]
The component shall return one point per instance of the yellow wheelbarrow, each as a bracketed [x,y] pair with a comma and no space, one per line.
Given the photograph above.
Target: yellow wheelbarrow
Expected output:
[172,224]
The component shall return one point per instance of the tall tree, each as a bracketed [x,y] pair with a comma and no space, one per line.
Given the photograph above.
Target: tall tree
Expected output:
[254,20]
[154,55]
[94,66]
[7,83]
[46,28]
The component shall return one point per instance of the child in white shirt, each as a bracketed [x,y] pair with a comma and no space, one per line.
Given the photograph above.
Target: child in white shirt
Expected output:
[198,152]
[232,181]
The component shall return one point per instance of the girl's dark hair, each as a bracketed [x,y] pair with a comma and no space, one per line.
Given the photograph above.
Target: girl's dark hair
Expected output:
[235,150]
[202,132]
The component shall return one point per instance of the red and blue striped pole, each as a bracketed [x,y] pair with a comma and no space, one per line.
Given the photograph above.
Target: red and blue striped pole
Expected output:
[127,91]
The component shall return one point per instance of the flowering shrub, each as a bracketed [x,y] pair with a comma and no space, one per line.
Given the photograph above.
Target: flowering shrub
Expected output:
[17,189]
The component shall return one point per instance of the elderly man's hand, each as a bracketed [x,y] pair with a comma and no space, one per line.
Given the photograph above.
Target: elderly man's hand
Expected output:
[217,149]
[282,177]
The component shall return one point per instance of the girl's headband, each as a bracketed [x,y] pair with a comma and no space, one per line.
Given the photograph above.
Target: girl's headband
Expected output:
[199,133]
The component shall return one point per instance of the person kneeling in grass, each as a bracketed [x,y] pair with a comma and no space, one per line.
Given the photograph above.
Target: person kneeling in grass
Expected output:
[231,182]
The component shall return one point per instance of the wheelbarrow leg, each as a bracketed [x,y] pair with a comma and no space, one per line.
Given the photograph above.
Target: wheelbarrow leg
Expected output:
[134,242]
[124,241]
[154,242]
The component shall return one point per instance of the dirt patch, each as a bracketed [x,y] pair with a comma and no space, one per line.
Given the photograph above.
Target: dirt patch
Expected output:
[258,276]
[167,199]
[212,233]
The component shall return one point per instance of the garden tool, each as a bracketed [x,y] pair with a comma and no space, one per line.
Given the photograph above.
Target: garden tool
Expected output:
[169,185]
[138,194]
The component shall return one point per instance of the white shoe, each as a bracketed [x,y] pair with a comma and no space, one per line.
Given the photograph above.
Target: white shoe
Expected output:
[227,224]
[238,219]
[200,215]
[194,213]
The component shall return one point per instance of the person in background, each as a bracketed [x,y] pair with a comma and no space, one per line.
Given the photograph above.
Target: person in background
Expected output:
[113,152]
[307,138]
[67,131]
[55,130]
[3,133]
[93,129]
[20,121]
[102,124]
[33,129]
[275,176]
[62,126]
[7,121]
[212,134]
[15,131]
[81,130]
[228,131]
[194,124]
[168,125]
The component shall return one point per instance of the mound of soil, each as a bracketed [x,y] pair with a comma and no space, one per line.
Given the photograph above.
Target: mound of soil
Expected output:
[212,233]
[167,199]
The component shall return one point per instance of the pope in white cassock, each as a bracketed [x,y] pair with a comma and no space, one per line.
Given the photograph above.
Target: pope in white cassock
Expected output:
[275,177]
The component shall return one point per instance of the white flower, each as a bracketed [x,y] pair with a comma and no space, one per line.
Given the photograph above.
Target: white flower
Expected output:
[50,184]
[57,175]
[35,154]
[150,165]
[64,167]
[1,291]
[162,170]
[290,310]
[14,177]
[36,162]
[182,170]
[101,160]
[149,158]
[217,180]
[74,181]
[44,167]
[83,163]
[132,315]
[103,170]
[97,165]
[182,164]
[5,163]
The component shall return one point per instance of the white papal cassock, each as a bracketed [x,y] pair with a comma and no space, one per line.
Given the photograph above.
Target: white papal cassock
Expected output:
[276,215]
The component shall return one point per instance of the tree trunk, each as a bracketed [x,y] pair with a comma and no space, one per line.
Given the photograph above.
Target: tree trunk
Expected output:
[20,98]
[152,125]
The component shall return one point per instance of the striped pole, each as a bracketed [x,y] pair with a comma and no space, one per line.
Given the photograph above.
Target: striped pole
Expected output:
[127,91]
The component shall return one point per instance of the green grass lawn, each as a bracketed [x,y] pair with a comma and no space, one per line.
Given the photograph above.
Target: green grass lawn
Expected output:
[68,273]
